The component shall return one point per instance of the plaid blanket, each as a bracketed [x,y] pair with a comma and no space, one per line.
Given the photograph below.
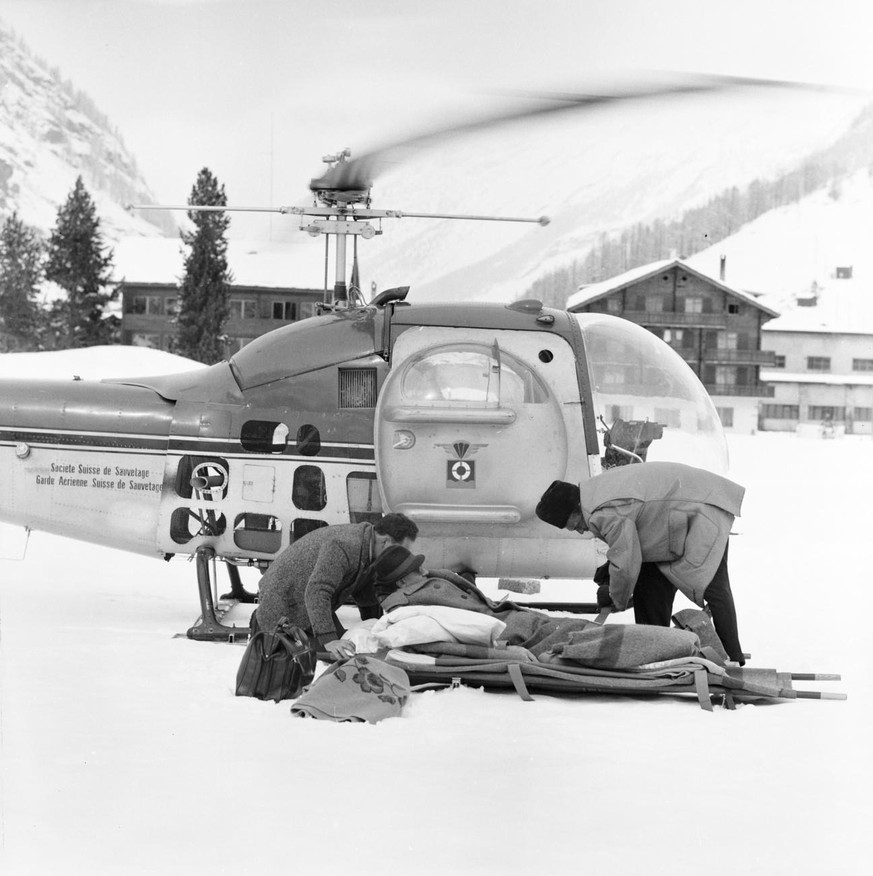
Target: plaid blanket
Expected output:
[626,646]
[360,689]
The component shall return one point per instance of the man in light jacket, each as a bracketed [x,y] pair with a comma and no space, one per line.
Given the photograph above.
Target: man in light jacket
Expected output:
[666,526]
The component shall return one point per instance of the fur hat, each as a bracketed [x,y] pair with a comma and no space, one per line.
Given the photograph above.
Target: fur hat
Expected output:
[558,502]
[394,562]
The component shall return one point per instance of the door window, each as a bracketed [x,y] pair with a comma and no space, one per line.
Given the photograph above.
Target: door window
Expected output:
[470,374]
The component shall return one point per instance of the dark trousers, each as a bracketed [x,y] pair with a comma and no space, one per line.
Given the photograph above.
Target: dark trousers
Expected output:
[653,603]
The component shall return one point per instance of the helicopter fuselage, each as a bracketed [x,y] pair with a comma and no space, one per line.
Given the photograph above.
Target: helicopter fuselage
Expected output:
[459,416]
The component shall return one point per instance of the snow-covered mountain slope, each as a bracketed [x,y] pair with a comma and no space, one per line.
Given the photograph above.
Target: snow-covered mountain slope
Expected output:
[782,253]
[49,135]
[794,252]
[591,174]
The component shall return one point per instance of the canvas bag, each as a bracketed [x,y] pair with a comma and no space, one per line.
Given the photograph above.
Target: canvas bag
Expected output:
[276,666]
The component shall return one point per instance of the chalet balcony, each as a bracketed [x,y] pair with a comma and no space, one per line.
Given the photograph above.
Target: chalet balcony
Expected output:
[761,390]
[676,320]
[764,358]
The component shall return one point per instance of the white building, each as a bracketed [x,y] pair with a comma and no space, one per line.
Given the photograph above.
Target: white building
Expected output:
[823,379]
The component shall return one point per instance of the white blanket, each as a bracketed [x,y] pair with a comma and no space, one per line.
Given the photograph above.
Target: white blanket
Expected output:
[418,624]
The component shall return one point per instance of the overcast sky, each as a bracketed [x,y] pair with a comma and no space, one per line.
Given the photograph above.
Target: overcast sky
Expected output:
[259,90]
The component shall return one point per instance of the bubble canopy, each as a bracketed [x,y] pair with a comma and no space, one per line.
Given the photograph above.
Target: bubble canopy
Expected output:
[639,379]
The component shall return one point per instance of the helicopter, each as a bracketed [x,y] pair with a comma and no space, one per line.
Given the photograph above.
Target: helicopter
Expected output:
[458,416]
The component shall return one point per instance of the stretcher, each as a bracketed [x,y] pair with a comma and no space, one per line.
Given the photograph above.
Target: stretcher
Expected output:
[442,665]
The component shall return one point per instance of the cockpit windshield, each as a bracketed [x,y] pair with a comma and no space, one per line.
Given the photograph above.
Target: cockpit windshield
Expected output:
[647,400]
[470,373]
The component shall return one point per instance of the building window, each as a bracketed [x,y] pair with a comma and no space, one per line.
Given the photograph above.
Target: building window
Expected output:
[243,308]
[153,305]
[733,308]
[286,310]
[778,361]
[862,414]
[826,413]
[306,309]
[818,363]
[727,340]
[726,415]
[694,305]
[725,375]
[844,272]
[654,303]
[674,336]
[780,412]
[862,364]
[613,305]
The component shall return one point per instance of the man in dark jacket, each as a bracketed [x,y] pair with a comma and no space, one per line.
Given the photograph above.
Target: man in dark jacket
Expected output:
[312,577]
[666,526]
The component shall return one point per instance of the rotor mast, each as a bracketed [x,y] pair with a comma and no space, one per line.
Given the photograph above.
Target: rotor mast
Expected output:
[341,208]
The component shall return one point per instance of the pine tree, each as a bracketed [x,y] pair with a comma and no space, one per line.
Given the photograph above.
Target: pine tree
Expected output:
[203,306]
[21,269]
[78,263]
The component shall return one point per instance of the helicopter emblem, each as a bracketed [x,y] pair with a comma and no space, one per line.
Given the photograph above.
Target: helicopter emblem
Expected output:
[461,470]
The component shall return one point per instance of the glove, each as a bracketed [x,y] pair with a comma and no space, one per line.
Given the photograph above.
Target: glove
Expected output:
[601,574]
[604,600]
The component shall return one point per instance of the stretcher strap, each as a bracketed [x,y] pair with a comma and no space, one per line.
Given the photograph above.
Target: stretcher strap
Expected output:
[514,671]
[701,685]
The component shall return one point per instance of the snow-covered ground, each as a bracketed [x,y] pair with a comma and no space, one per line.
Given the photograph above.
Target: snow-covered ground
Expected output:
[123,749]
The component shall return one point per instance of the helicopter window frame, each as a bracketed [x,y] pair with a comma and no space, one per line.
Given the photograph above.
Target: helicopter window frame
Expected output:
[309,488]
[258,532]
[517,383]
[264,436]
[301,526]
[363,496]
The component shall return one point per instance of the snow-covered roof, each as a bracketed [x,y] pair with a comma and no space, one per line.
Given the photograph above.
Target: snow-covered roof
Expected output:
[297,263]
[595,291]
[843,306]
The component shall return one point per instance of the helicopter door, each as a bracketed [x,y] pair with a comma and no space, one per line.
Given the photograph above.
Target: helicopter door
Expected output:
[467,431]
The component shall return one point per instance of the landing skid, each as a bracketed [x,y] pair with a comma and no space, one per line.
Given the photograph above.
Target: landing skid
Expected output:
[209,626]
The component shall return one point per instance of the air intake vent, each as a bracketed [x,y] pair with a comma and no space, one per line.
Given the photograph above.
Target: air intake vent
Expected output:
[357,387]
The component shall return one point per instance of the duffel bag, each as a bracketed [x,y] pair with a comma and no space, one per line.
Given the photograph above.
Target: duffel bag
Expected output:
[276,666]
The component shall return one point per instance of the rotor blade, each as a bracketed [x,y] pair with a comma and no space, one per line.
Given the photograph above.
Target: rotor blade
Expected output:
[203,208]
[357,174]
